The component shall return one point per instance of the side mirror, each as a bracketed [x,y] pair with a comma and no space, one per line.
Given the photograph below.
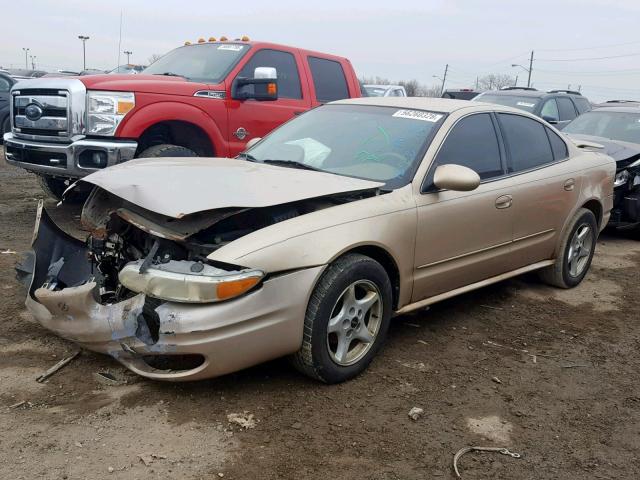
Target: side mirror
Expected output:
[550,120]
[456,177]
[263,86]
[252,142]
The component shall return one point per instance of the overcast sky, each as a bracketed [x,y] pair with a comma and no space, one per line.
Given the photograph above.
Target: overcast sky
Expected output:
[397,40]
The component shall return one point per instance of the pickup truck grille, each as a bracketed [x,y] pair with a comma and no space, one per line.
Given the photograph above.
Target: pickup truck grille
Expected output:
[41,112]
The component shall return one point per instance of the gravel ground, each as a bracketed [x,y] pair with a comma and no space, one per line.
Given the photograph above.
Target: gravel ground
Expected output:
[550,374]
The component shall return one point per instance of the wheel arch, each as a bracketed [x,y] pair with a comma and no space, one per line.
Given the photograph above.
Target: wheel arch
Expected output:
[595,206]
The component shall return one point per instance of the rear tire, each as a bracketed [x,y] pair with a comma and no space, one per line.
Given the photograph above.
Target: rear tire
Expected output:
[166,150]
[346,321]
[54,187]
[576,252]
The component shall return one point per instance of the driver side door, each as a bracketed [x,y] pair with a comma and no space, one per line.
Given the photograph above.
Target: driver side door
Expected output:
[465,237]
[252,118]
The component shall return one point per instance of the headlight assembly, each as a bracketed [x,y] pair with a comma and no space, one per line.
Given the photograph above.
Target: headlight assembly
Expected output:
[105,111]
[621,178]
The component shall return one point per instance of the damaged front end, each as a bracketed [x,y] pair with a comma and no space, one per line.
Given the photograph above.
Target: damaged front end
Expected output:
[142,290]
[626,193]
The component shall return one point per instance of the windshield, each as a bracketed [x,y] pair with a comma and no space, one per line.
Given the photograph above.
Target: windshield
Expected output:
[375,91]
[382,144]
[206,62]
[528,104]
[621,126]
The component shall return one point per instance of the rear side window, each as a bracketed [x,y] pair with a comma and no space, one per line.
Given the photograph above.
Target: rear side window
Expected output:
[560,151]
[566,109]
[328,79]
[473,143]
[582,104]
[527,142]
[285,65]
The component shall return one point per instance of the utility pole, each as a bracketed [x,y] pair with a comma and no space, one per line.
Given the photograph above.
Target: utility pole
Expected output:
[26,59]
[33,62]
[515,84]
[477,82]
[444,78]
[127,53]
[530,68]
[84,39]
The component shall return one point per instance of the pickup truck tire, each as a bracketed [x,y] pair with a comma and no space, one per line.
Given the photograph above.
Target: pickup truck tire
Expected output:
[55,187]
[576,251]
[167,150]
[347,319]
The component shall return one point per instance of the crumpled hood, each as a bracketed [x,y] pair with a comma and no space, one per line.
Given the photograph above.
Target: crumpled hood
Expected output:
[176,187]
[616,149]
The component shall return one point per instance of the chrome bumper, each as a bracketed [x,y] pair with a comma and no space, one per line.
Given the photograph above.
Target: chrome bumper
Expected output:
[63,159]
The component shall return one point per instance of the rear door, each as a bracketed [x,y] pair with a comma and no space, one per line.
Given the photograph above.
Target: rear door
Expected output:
[252,118]
[464,237]
[328,80]
[545,187]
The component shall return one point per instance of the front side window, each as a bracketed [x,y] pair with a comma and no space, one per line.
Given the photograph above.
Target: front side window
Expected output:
[5,86]
[473,143]
[205,62]
[550,111]
[286,68]
[328,79]
[375,143]
[527,142]
[566,109]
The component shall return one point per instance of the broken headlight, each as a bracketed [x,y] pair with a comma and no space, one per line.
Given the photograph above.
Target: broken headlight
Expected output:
[105,111]
[622,177]
[188,282]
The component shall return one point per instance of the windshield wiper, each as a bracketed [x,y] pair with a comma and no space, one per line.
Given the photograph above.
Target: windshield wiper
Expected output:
[247,156]
[170,74]
[292,164]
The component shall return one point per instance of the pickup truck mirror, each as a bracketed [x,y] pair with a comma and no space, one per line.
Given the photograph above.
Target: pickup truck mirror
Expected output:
[550,120]
[263,86]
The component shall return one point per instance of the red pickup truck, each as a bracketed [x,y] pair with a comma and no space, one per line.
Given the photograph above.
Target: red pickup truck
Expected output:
[205,99]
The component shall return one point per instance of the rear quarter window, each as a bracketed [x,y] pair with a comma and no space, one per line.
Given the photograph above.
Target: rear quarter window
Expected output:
[558,146]
[328,79]
[582,104]
[527,142]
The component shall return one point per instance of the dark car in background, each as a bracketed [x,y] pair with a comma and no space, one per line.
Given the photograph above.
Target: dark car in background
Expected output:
[460,93]
[6,82]
[557,107]
[617,130]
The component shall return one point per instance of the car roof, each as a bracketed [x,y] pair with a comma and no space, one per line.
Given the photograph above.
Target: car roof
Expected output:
[519,93]
[620,109]
[434,104]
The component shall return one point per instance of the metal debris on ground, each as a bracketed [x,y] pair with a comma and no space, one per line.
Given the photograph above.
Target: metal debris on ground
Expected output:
[19,404]
[58,366]
[245,419]
[496,379]
[106,378]
[462,451]
[8,252]
[415,413]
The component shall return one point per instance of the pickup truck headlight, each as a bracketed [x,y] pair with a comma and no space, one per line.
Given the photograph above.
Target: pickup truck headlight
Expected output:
[105,111]
[621,178]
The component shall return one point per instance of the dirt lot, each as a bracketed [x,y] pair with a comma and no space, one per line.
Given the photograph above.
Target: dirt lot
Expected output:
[550,374]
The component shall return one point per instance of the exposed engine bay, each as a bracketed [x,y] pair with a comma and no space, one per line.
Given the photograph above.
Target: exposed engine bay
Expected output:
[626,202]
[132,250]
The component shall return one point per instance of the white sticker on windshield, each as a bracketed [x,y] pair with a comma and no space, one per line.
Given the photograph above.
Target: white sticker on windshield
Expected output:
[235,48]
[418,115]
[525,104]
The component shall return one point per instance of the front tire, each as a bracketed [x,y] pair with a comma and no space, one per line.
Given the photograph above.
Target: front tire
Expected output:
[576,252]
[6,128]
[346,321]
[167,150]
[54,187]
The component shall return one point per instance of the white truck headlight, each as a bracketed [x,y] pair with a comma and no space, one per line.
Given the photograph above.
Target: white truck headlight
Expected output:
[105,111]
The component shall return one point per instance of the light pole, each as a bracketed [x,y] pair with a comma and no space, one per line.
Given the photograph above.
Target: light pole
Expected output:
[33,62]
[528,70]
[26,60]
[84,39]
[127,53]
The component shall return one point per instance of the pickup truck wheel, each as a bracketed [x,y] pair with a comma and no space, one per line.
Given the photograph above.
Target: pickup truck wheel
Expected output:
[167,150]
[346,321]
[55,187]
[576,251]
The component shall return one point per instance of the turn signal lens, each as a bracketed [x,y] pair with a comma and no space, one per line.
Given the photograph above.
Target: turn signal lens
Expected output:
[212,39]
[272,89]
[234,288]
[125,107]
[201,40]
[223,39]
[187,42]
[245,38]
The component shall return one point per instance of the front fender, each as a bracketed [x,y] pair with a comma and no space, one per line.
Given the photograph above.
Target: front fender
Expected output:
[140,119]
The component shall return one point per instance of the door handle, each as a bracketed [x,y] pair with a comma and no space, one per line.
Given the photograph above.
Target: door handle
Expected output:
[504,201]
[569,184]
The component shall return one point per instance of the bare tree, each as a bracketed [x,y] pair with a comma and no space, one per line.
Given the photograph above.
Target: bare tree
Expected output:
[153,58]
[495,81]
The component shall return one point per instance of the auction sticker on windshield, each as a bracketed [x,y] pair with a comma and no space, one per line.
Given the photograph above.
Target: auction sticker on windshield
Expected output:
[235,48]
[525,104]
[418,115]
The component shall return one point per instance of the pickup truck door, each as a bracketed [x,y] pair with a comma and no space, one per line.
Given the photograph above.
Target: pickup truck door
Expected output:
[252,118]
